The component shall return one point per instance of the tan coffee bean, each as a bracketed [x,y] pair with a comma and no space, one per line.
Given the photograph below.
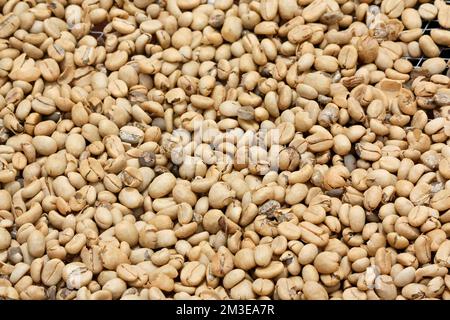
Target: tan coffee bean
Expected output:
[5,239]
[5,200]
[222,262]
[244,259]
[368,151]
[269,9]
[112,257]
[44,145]
[116,286]
[368,48]
[33,293]
[126,231]
[231,29]
[233,278]
[428,11]
[385,287]
[263,255]
[115,60]
[270,271]
[392,8]
[440,37]
[434,65]
[52,272]
[242,291]
[417,216]
[75,245]
[354,294]
[411,18]
[404,277]
[442,254]
[441,200]
[118,88]
[307,254]
[166,238]
[414,291]
[162,185]
[192,273]
[49,69]
[327,262]
[300,34]
[357,218]
[314,11]
[43,105]
[217,151]
[326,63]
[444,16]
[314,291]
[36,244]
[289,230]
[9,24]
[428,47]
[75,144]
[130,197]
[76,275]
[263,287]
[220,195]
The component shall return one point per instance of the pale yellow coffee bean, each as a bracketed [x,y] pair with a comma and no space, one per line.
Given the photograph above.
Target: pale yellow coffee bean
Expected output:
[5,239]
[411,18]
[231,29]
[44,145]
[314,291]
[36,244]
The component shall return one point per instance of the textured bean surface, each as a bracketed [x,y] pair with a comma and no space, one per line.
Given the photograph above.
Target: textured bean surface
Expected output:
[253,149]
